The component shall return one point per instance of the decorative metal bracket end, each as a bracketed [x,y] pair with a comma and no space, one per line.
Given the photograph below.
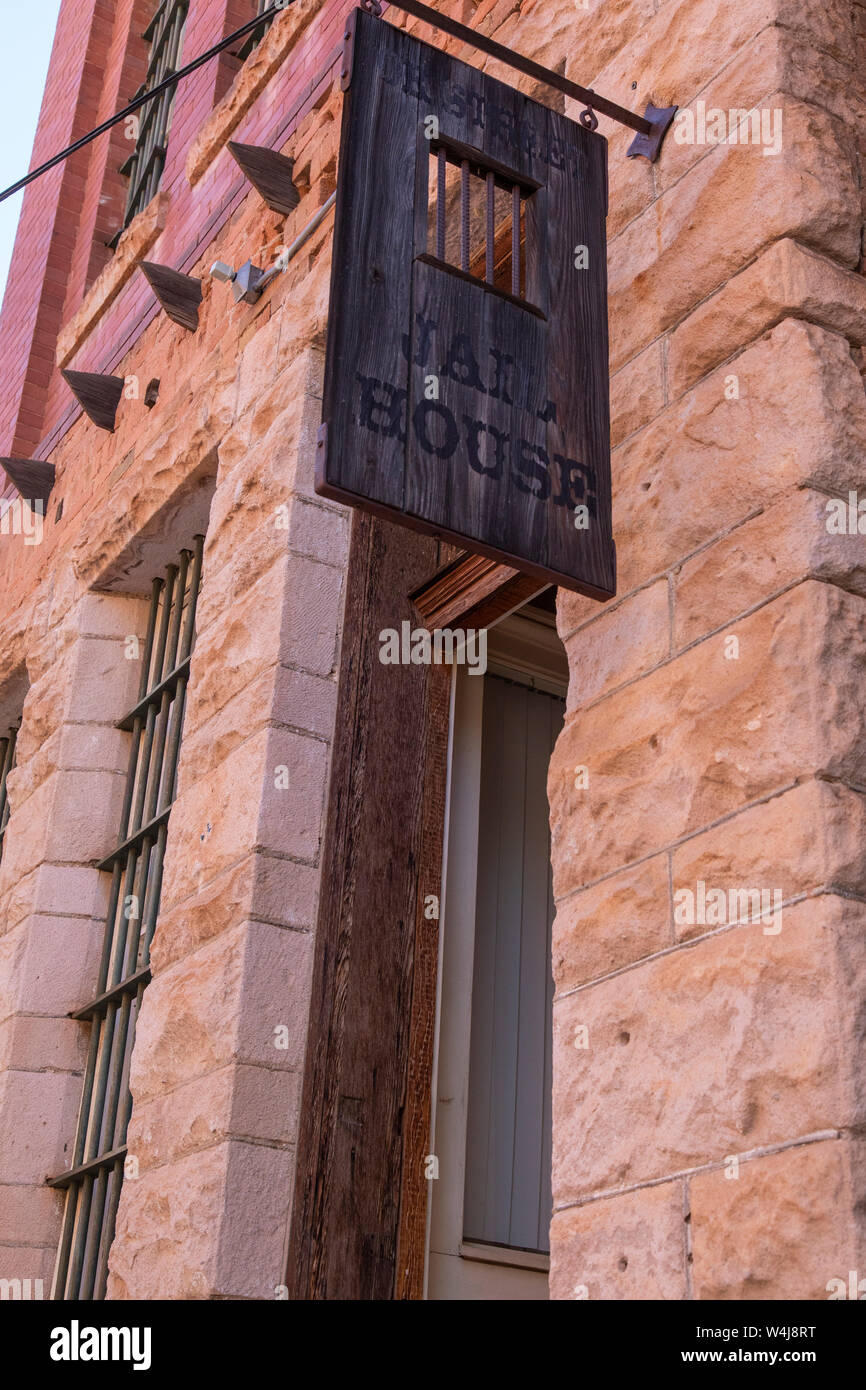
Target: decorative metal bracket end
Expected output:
[649,146]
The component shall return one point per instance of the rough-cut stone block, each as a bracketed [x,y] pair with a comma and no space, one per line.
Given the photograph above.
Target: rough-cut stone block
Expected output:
[30,1215]
[276,990]
[225,1003]
[786,280]
[214,820]
[256,366]
[167,1219]
[809,838]
[47,965]
[239,643]
[627,1247]
[189,1016]
[786,542]
[708,461]
[783,1228]
[704,735]
[190,916]
[37,1123]
[617,921]
[620,644]
[292,794]
[680,47]
[680,250]
[733,1043]
[637,394]
[207,745]
[241,1102]
[165,1245]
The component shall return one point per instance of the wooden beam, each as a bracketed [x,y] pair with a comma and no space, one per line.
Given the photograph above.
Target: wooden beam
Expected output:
[473,591]
[32,478]
[179,295]
[417,1112]
[98,396]
[360,1205]
[270,173]
[381,859]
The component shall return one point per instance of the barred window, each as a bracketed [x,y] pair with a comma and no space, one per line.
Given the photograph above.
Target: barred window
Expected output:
[476,218]
[255,36]
[155,724]
[145,165]
[7,762]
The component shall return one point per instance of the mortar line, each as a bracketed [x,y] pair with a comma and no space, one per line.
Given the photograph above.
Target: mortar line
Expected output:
[764,1151]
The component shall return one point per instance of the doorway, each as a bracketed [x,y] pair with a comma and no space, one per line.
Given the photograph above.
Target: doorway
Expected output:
[489,1209]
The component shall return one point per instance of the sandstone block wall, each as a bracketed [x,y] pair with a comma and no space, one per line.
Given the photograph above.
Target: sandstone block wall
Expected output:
[707,1086]
[707,1083]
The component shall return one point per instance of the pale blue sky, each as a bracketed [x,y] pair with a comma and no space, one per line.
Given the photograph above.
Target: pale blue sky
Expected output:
[28,33]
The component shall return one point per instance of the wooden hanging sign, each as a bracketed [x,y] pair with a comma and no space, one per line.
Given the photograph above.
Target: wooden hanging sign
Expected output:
[466,379]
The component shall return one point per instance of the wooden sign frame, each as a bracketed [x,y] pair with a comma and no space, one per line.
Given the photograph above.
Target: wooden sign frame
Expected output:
[452,405]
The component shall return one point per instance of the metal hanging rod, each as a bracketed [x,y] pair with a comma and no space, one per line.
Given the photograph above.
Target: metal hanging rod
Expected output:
[651,128]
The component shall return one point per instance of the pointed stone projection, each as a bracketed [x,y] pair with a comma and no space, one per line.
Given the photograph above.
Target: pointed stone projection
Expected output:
[97,395]
[178,294]
[270,173]
[32,478]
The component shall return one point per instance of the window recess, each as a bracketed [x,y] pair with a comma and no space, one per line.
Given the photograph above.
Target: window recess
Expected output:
[254,38]
[7,762]
[476,219]
[147,161]
[155,724]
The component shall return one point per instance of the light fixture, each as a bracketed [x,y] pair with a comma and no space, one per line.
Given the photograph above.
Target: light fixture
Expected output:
[249,283]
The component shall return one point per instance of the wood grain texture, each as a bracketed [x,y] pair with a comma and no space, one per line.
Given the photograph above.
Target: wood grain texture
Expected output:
[472,591]
[179,295]
[98,396]
[270,173]
[379,861]
[33,479]
[411,1242]
[366,369]
[464,412]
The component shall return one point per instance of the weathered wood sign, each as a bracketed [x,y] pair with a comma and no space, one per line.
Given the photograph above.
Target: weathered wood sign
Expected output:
[466,382]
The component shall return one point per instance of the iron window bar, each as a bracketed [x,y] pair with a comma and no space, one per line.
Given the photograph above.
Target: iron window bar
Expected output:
[95,1176]
[477,264]
[147,161]
[255,37]
[7,762]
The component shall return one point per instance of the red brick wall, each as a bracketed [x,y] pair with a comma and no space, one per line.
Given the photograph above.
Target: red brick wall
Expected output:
[48,230]
[197,212]
[98,62]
